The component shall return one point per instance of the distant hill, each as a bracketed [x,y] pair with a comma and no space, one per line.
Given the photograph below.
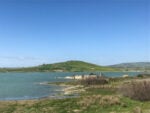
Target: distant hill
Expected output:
[74,66]
[132,65]
[69,66]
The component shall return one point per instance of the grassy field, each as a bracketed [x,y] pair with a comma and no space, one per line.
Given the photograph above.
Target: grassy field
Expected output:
[95,99]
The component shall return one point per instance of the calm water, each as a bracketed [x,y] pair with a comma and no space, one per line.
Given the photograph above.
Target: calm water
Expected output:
[18,86]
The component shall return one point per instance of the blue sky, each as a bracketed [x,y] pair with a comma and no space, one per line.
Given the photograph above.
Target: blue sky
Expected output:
[103,32]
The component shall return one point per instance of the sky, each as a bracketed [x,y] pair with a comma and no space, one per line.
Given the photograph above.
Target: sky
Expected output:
[103,32]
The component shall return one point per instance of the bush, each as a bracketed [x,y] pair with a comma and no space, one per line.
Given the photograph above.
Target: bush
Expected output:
[94,81]
[140,76]
[143,75]
[138,90]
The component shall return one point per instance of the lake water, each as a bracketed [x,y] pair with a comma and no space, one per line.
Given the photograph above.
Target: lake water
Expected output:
[30,85]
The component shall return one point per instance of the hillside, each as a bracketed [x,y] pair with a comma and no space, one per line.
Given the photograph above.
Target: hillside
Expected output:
[74,66]
[69,66]
[133,65]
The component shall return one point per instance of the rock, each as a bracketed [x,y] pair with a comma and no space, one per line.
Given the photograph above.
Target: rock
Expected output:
[125,76]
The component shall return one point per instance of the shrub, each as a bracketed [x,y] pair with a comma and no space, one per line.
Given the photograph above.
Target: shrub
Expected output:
[143,75]
[94,81]
[138,90]
[140,75]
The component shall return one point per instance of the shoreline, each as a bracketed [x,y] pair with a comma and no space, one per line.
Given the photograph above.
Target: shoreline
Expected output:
[68,91]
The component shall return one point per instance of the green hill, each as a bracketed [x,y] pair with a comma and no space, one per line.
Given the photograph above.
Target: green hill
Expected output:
[138,66]
[73,66]
[133,65]
[69,66]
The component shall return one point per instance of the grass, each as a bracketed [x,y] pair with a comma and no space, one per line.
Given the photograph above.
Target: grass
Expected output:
[86,104]
[95,99]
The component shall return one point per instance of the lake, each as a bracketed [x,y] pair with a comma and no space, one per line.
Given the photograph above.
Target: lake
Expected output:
[31,85]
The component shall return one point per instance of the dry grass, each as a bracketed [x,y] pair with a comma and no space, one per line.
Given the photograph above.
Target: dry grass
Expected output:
[138,90]
[99,100]
[137,110]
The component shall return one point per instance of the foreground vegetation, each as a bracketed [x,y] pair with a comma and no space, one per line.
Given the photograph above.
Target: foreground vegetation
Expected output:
[97,98]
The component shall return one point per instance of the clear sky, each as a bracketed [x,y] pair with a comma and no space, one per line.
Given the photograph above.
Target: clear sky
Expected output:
[103,32]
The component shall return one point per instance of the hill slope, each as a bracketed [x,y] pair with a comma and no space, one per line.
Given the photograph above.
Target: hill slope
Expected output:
[69,66]
[74,66]
[133,65]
